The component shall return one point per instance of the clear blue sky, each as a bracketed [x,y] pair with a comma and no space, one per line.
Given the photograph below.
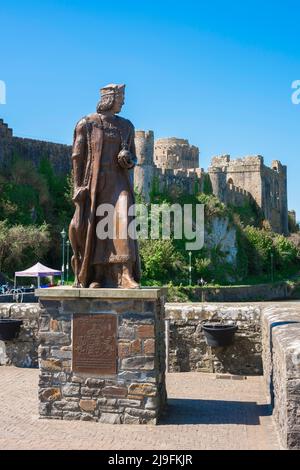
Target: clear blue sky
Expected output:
[216,72]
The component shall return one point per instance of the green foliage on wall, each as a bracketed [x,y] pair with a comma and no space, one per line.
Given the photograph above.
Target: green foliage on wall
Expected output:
[207,186]
[31,199]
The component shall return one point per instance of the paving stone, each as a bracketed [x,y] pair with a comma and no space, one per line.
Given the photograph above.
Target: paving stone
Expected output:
[203,413]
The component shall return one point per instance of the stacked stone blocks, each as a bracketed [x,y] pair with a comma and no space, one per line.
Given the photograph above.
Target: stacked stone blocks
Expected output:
[136,394]
[281,360]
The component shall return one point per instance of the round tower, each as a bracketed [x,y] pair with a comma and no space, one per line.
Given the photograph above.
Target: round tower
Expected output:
[144,170]
[173,153]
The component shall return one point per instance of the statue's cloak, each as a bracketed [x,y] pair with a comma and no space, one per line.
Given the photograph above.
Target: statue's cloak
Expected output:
[86,158]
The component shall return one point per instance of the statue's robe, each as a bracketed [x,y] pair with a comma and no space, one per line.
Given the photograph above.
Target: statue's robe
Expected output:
[97,142]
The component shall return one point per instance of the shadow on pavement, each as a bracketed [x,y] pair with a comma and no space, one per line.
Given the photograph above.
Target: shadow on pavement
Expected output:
[189,411]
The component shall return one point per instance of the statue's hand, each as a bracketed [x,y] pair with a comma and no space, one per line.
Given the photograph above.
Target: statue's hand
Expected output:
[126,160]
[80,193]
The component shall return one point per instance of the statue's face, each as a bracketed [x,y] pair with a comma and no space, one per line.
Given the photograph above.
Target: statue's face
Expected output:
[118,102]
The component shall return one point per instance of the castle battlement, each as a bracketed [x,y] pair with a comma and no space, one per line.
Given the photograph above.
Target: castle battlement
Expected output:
[173,153]
[267,186]
[5,131]
[248,161]
[33,150]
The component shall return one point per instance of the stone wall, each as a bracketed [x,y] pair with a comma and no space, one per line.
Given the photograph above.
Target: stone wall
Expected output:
[136,393]
[23,351]
[33,150]
[188,350]
[256,293]
[281,360]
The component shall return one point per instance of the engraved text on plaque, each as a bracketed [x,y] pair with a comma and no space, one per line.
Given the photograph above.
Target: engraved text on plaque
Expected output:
[95,344]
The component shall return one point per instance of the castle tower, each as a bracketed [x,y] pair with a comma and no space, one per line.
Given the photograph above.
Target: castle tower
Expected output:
[6,136]
[275,196]
[218,176]
[144,170]
[232,179]
[5,131]
[173,154]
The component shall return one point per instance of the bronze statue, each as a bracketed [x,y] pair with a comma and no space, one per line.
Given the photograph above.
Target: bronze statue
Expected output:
[103,157]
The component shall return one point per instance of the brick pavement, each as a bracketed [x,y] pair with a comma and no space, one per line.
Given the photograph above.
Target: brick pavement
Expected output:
[204,413]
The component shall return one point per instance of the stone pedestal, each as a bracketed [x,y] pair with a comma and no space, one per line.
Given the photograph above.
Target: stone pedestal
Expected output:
[102,355]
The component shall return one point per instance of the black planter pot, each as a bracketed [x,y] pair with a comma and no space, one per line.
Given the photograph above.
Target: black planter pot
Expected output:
[219,334]
[9,329]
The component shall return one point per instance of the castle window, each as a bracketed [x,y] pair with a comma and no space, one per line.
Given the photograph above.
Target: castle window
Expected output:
[230,183]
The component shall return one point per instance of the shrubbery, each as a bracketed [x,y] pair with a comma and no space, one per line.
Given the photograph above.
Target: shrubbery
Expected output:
[259,249]
[21,245]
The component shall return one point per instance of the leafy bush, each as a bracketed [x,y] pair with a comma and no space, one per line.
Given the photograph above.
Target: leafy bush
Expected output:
[286,252]
[259,246]
[249,213]
[160,260]
[21,246]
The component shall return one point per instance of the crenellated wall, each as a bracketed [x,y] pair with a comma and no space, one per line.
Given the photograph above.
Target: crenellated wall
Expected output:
[33,150]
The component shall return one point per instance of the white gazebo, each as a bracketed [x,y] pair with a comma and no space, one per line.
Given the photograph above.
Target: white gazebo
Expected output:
[38,271]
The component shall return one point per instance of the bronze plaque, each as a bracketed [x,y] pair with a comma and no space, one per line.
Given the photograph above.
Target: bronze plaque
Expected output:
[95,344]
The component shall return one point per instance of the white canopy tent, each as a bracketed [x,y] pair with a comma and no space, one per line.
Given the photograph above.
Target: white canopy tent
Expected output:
[38,271]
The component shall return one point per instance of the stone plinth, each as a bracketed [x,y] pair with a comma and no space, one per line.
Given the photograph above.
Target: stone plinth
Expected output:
[102,355]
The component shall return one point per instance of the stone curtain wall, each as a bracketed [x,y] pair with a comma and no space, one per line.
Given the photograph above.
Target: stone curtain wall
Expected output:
[188,350]
[23,351]
[33,150]
[135,395]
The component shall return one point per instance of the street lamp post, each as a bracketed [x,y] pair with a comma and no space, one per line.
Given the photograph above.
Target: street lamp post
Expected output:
[190,268]
[68,258]
[203,283]
[272,267]
[63,236]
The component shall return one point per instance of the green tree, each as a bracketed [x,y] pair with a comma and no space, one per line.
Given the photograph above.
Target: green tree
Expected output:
[160,260]
[21,246]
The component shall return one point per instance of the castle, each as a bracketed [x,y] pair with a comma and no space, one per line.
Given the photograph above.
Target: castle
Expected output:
[173,163]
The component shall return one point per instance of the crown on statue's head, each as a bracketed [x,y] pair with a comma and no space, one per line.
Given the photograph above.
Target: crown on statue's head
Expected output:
[112,89]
